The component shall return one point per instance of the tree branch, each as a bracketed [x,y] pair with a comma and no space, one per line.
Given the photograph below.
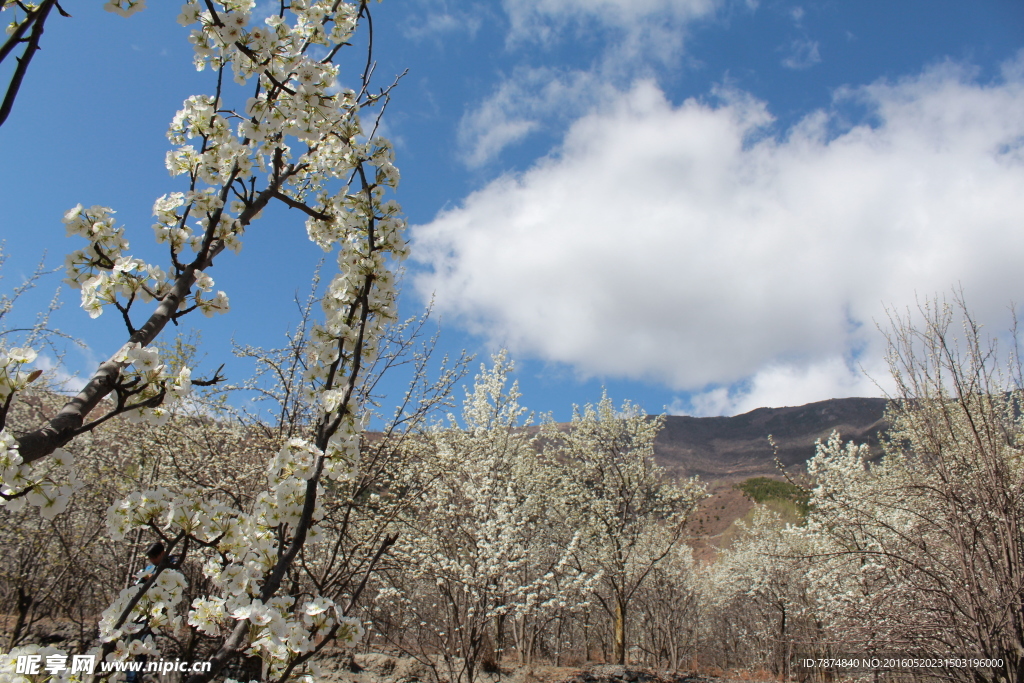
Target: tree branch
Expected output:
[67,423]
[295,204]
[25,59]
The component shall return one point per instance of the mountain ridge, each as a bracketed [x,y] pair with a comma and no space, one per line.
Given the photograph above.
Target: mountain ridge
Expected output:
[736,448]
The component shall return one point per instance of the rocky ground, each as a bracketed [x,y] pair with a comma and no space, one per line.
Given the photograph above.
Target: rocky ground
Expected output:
[339,666]
[385,668]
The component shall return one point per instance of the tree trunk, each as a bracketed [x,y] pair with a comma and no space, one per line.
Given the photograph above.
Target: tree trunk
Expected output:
[499,638]
[24,605]
[783,647]
[620,631]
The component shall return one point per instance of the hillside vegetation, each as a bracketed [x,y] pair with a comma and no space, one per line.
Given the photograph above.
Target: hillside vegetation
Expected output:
[777,493]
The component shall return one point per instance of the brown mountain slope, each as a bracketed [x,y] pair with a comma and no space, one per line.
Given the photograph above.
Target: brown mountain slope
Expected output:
[728,449]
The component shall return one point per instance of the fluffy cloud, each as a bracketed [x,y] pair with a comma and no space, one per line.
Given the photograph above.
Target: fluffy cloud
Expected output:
[633,30]
[530,99]
[789,384]
[57,375]
[687,245]
[802,53]
[439,23]
[528,17]
[634,36]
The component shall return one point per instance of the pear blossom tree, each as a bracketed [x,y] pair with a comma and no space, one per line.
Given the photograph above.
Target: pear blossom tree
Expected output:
[668,612]
[630,514]
[246,159]
[66,569]
[295,138]
[763,583]
[475,556]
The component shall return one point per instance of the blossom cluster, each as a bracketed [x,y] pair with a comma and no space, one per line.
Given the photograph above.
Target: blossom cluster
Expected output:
[153,611]
[48,486]
[245,547]
[52,667]
[125,8]
[173,229]
[278,629]
[104,273]
[155,383]
[13,376]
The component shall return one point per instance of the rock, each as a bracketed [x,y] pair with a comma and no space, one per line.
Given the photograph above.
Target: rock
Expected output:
[376,663]
[407,669]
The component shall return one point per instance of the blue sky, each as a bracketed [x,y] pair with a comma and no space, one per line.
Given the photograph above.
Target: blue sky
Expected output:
[704,205]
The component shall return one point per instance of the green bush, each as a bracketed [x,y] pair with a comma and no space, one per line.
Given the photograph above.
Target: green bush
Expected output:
[765,490]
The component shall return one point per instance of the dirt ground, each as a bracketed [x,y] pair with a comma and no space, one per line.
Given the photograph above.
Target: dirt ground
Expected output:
[385,668]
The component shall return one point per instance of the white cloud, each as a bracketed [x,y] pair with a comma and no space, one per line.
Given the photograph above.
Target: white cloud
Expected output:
[789,384]
[489,130]
[681,244]
[439,23]
[523,103]
[58,375]
[534,16]
[803,53]
[637,29]
[634,36]
[265,8]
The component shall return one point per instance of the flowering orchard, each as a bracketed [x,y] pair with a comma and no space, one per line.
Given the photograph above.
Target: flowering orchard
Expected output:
[631,517]
[484,560]
[458,543]
[912,559]
[298,139]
